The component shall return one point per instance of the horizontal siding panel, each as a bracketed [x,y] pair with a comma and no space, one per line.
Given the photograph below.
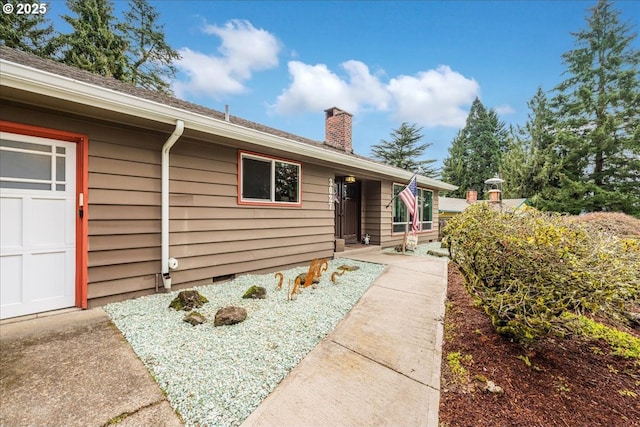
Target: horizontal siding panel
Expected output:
[113,257]
[123,227]
[238,265]
[266,264]
[122,286]
[123,271]
[121,212]
[249,234]
[244,224]
[318,202]
[124,152]
[124,241]
[116,197]
[183,187]
[99,302]
[224,165]
[200,200]
[124,167]
[246,256]
[195,149]
[183,252]
[193,175]
[222,248]
[120,182]
[243,212]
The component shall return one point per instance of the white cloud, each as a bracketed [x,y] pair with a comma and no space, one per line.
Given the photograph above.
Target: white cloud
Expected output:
[243,50]
[431,98]
[316,88]
[503,110]
[434,98]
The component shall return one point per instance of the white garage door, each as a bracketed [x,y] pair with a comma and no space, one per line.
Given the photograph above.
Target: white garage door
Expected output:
[37,224]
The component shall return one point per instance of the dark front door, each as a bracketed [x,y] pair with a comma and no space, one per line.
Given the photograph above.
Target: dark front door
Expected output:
[347,210]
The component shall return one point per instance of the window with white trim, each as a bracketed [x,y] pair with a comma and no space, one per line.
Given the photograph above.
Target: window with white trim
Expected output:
[269,180]
[28,164]
[401,216]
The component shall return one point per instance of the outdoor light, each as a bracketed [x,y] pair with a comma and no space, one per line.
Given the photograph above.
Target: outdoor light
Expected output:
[350,179]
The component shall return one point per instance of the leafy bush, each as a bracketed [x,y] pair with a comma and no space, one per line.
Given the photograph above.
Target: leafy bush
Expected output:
[527,268]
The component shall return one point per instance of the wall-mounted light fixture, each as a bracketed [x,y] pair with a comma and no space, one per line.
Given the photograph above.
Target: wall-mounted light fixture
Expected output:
[350,179]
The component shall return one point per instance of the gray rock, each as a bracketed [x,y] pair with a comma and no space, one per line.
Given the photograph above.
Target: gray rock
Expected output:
[491,387]
[195,318]
[188,300]
[255,292]
[230,316]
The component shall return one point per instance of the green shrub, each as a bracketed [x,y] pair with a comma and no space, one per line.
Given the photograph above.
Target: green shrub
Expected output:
[527,268]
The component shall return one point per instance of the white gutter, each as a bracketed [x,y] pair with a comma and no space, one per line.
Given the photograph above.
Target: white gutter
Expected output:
[49,84]
[173,138]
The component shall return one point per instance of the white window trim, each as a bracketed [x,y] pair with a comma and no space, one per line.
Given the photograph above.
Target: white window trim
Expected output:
[408,222]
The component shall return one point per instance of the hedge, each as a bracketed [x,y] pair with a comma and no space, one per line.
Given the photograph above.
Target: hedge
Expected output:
[527,268]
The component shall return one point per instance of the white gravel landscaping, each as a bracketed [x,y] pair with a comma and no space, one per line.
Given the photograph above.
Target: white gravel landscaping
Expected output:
[217,376]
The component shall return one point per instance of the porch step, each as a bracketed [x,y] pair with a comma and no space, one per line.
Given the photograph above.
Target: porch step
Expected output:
[350,250]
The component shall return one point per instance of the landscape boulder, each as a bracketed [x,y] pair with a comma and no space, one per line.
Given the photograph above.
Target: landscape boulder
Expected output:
[255,292]
[188,300]
[230,316]
[194,318]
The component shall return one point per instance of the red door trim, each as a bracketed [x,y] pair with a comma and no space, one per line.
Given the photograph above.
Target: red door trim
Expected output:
[82,187]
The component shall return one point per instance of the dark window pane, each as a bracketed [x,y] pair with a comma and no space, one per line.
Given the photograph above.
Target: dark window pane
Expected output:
[400,213]
[399,228]
[427,205]
[287,176]
[256,179]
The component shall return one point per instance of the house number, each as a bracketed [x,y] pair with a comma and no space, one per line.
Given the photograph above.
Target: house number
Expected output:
[331,194]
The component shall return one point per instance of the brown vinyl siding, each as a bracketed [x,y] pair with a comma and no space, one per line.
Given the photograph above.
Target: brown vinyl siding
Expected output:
[210,234]
[372,207]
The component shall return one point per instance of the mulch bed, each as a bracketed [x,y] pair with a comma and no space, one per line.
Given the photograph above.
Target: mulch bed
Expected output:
[569,382]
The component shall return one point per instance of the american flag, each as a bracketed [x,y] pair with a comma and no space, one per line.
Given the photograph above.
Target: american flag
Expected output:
[409,197]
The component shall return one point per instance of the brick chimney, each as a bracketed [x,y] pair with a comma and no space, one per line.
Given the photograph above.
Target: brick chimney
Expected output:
[338,125]
[472,196]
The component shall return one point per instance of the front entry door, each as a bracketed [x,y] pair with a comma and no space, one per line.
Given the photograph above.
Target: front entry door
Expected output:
[37,224]
[347,220]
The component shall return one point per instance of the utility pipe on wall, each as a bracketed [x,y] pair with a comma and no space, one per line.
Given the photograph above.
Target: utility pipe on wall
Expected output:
[173,138]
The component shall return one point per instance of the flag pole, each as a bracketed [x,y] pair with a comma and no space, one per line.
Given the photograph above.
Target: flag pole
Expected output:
[394,197]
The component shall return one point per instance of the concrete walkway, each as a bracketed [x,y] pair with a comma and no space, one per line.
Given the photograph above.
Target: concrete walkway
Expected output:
[75,369]
[379,367]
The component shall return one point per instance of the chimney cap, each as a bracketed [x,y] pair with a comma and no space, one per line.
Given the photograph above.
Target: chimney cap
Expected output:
[335,111]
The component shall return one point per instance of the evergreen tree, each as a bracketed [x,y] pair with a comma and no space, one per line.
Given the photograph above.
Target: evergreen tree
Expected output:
[402,150]
[94,45]
[532,162]
[29,32]
[150,57]
[599,110]
[476,151]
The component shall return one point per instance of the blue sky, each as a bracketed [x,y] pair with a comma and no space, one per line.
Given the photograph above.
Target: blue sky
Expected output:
[281,63]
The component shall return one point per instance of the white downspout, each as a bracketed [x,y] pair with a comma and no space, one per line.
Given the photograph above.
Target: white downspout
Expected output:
[166,277]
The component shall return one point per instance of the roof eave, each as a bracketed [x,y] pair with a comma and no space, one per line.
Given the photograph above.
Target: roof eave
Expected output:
[30,79]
